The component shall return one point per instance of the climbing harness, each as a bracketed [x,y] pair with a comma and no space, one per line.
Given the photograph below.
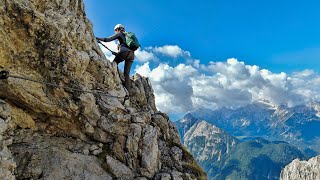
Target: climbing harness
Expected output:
[5,75]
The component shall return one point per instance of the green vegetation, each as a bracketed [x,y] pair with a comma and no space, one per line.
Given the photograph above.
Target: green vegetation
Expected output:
[255,159]
[190,165]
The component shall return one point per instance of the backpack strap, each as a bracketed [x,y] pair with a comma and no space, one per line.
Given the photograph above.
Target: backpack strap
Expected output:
[124,40]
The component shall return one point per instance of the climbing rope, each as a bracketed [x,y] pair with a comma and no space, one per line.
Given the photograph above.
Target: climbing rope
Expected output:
[5,75]
[112,52]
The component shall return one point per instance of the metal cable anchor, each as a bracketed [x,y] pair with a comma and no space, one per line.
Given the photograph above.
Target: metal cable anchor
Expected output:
[4,74]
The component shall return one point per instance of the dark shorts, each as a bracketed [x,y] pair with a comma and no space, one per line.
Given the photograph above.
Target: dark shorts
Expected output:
[124,56]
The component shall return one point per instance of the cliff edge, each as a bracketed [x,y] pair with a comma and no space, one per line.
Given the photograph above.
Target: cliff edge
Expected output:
[88,130]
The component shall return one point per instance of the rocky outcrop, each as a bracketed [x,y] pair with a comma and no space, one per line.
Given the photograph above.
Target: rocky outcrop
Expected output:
[93,132]
[302,170]
[208,143]
[7,164]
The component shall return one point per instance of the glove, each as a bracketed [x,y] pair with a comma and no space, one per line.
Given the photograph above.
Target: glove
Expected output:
[114,53]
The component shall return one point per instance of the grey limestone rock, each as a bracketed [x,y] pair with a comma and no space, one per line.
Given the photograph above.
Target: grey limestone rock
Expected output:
[119,169]
[302,170]
[85,131]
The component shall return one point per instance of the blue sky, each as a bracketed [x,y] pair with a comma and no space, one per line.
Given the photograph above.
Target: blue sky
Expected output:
[272,34]
[220,53]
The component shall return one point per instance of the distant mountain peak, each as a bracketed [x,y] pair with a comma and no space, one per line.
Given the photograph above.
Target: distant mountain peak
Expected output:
[316,107]
[264,103]
[208,142]
[203,129]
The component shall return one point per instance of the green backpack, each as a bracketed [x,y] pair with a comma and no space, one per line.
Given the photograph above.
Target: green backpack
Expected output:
[132,41]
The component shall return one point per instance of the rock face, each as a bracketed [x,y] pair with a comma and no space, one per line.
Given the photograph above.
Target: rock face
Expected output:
[7,164]
[302,170]
[208,143]
[49,132]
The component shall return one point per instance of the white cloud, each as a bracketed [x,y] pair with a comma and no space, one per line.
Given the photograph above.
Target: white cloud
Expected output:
[231,83]
[143,70]
[305,73]
[172,86]
[144,56]
[170,50]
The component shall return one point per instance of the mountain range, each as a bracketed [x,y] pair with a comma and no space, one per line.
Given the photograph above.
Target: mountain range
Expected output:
[254,159]
[252,142]
[296,125]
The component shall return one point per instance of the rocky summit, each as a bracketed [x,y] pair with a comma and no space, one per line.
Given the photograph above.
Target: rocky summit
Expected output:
[76,123]
[208,143]
[297,170]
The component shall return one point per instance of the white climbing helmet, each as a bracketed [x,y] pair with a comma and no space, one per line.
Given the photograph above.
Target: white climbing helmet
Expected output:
[119,26]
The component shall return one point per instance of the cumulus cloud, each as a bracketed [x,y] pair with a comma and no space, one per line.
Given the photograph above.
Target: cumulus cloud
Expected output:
[144,56]
[143,70]
[169,50]
[172,86]
[231,83]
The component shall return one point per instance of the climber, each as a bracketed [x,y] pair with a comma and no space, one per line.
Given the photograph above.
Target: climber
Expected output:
[124,54]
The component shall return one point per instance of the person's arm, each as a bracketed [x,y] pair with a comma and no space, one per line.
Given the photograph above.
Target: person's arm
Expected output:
[111,38]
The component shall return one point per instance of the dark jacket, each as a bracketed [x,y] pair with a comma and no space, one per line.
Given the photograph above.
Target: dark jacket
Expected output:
[122,47]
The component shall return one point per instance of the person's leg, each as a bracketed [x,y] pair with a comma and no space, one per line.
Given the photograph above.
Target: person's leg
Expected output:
[128,56]
[127,67]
